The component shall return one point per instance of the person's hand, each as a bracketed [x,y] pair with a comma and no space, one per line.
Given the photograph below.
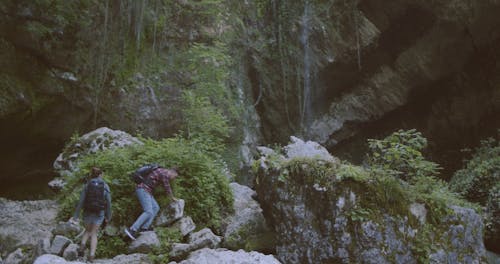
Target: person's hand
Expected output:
[104,223]
[73,221]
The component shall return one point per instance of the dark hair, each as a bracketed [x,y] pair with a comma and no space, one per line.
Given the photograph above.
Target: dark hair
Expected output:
[95,172]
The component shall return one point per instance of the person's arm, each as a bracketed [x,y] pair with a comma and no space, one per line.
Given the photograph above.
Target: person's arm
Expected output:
[166,185]
[79,206]
[107,195]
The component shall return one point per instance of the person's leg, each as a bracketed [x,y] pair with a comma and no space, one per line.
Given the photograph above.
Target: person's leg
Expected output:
[93,240]
[85,237]
[155,208]
[145,199]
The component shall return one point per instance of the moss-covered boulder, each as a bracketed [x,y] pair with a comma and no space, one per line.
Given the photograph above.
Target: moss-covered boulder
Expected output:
[334,212]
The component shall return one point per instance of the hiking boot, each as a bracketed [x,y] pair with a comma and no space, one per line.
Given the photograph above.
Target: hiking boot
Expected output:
[91,259]
[81,250]
[130,233]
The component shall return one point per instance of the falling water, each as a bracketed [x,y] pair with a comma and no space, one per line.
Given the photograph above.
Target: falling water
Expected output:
[250,122]
[153,97]
[306,92]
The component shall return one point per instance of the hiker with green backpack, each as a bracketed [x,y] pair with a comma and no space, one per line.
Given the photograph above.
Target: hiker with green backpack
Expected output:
[95,199]
[147,178]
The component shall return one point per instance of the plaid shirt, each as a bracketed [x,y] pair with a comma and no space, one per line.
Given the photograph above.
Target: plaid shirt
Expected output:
[159,175]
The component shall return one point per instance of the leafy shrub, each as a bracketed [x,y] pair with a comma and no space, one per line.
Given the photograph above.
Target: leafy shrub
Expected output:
[400,154]
[479,182]
[201,182]
[480,174]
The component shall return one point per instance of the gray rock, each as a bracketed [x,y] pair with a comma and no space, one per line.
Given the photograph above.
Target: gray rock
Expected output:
[419,211]
[15,257]
[204,238]
[127,259]
[59,243]
[53,259]
[180,250]
[185,225]
[24,223]
[330,227]
[247,228]
[173,212]
[43,247]
[71,252]
[67,229]
[145,243]
[310,149]
[92,142]
[57,184]
[225,256]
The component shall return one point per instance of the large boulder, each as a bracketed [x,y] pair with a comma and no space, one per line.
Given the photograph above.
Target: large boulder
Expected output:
[204,238]
[145,243]
[120,259]
[320,217]
[225,256]
[173,212]
[247,228]
[25,223]
[92,142]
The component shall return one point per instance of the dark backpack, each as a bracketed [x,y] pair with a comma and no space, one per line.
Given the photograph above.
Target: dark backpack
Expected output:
[94,197]
[141,174]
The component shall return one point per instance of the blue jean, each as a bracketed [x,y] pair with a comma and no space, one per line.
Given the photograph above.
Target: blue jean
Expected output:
[150,208]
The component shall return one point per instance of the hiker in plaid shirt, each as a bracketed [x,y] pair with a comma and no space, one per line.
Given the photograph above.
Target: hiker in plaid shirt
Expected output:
[150,207]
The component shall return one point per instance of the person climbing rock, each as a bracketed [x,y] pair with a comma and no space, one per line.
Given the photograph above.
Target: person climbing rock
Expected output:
[144,191]
[95,199]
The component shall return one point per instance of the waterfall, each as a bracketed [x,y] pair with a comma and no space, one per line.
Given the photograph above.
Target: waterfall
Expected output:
[153,97]
[250,127]
[305,116]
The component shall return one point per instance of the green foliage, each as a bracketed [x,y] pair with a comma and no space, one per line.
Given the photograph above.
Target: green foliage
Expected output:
[400,154]
[201,182]
[480,174]
[479,182]
[359,214]
[167,237]
[110,246]
[349,171]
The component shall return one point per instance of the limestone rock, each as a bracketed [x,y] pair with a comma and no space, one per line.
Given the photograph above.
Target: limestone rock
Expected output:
[204,238]
[298,149]
[24,223]
[225,256]
[59,244]
[330,226]
[67,229]
[173,212]
[16,257]
[247,228]
[71,252]
[53,259]
[201,239]
[145,243]
[92,142]
[185,225]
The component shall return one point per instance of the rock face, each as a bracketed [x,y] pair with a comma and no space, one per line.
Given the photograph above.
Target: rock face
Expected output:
[25,223]
[247,228]
[356,64]
[328,225]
